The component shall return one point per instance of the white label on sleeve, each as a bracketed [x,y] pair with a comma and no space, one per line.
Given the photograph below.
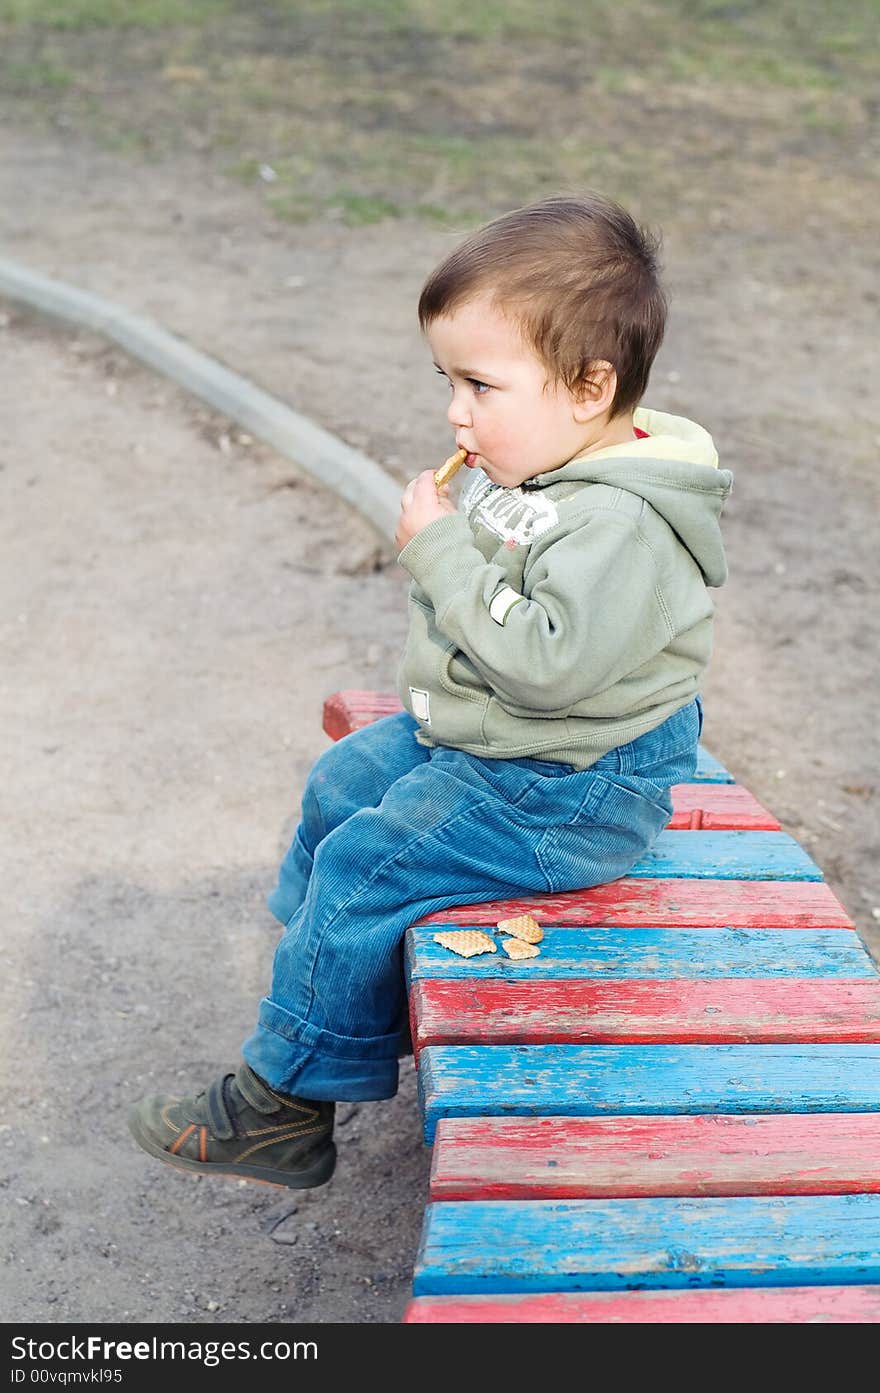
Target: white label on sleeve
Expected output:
[421,705]
[502,603]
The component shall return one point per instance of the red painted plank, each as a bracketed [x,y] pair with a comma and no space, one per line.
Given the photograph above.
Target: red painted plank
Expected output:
[726,1010]
[494,1158]
[718,808]
[351,709]
[711,904]
[729,1305]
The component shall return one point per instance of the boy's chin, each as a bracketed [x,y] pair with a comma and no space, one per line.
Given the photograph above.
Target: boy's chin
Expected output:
[504,478]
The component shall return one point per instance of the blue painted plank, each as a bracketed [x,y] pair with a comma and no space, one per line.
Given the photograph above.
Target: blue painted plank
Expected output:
[642,1244]
[726,856]
[710,770]
[652,953]
[596,1080]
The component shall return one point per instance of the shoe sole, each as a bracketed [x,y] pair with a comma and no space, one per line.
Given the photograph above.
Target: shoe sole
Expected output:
[317,1173]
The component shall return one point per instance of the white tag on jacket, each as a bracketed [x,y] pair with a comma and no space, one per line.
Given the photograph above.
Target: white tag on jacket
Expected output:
[502,603]
[421,705]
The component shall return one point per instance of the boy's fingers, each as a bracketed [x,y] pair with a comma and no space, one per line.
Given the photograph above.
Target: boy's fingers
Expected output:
[423,483]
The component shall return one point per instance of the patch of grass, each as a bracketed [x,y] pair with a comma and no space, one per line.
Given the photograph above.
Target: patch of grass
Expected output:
[446,109]
[437,213]
[354,209]
[35,77]
[359,210]
[472,19]
[294,206]
[440,180]
[125,14]
[784,41]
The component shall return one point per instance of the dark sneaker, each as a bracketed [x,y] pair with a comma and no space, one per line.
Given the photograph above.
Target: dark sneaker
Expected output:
[240,1126]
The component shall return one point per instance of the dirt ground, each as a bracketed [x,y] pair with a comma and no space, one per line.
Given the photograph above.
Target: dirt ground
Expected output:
[177,603]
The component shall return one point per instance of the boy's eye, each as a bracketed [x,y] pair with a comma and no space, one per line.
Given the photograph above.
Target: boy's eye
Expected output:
[479,387]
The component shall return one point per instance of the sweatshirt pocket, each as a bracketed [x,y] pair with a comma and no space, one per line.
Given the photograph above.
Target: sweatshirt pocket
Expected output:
[460,678]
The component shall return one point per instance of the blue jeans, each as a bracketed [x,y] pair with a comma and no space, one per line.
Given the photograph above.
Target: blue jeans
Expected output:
[391,830]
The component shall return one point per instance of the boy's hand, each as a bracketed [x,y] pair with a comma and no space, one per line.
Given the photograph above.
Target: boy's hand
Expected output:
[422,502]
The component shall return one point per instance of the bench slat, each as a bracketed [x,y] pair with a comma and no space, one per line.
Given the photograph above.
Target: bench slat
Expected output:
[718,808]
[723,1010]
[853,1305]
[623,1157]
[586,1080]
[726,856]
[353,708]
[652,953]
[676,903]
[711,770]
[606,1245]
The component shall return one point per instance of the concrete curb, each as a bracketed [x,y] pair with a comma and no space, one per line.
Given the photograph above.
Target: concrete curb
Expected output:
[352,475]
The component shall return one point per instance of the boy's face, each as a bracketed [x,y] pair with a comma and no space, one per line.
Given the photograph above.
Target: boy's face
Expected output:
[503,408]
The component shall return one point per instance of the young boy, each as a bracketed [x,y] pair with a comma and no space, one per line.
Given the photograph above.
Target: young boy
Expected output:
[560,624]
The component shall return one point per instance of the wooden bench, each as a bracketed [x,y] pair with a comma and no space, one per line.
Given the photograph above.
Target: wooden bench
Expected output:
[673,1113]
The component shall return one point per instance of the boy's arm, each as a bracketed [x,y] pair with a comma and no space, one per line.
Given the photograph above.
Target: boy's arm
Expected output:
[592,614]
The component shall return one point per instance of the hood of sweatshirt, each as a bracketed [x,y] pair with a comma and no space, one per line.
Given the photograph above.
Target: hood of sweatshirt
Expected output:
[675,469]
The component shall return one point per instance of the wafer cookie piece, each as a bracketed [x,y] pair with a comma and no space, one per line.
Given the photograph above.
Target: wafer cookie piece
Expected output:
[449,467]
[524,927]
[467,942]
[516,948]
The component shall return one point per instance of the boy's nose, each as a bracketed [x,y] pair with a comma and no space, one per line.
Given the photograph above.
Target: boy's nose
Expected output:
[458,413]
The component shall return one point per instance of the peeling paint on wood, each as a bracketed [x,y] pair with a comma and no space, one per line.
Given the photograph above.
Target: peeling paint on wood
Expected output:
[726,856]
[748,1010]
[855,1305]
[654,954]
[589,1080]
[623,1157]
[712,904]
[606,1245]
[718,807]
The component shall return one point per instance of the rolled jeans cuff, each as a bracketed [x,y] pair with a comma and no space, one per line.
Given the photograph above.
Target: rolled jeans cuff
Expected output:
[339,1068]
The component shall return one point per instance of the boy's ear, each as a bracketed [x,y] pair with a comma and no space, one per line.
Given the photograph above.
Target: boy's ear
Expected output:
[595,392]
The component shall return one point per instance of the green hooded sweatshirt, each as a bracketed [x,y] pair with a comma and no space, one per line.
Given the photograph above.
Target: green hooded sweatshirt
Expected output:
[570,615]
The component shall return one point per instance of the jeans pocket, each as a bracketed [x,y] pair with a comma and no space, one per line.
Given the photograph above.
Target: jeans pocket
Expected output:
[615,827]
[634,800]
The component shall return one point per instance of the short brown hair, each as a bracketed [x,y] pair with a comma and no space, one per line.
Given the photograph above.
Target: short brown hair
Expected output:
[579,276]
